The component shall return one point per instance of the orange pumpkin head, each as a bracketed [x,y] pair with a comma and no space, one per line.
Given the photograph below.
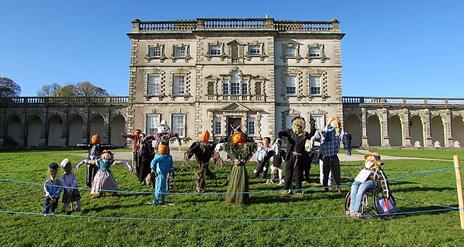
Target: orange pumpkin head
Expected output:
[95,139]
[238,138]
[204,136]
[163,149]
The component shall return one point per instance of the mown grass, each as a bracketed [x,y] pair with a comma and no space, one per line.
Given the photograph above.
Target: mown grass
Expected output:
[446,154]
[322,221]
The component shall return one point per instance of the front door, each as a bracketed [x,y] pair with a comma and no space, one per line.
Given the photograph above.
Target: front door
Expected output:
[233,123]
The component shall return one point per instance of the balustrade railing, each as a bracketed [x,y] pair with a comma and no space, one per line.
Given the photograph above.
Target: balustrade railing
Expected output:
[235,24]
[403,101]
[66,100]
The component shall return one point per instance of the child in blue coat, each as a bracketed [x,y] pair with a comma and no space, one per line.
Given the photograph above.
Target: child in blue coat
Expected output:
[162,164]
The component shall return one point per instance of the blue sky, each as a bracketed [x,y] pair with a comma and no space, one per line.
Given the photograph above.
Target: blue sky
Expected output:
[391,48]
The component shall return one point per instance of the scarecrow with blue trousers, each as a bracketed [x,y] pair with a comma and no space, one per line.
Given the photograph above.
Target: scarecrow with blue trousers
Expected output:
[162,164]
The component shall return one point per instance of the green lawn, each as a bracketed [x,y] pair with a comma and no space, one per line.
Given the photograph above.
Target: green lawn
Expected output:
[316,219]
[446,154]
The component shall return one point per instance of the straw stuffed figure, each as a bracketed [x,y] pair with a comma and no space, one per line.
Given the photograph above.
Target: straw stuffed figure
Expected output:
[239,151]
[203,149]
[162,164]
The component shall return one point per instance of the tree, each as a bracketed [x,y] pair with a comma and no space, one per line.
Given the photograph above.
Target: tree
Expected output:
[79,89]
[8,88]
[49,90]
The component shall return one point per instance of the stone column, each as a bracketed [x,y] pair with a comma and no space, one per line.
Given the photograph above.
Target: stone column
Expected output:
[224,124]
[86,129]
[384,132]
[258,124]
[406,133]
[244,122]
[365,143]
[108,128]
[427,130]
[3,128]
[449,140]
[45,130]
[67,127]
[25,129]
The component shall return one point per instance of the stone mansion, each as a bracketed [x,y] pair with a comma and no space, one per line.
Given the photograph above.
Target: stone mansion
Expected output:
[256,73]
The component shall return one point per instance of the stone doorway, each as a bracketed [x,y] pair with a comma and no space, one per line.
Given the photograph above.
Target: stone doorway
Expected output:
[233,122]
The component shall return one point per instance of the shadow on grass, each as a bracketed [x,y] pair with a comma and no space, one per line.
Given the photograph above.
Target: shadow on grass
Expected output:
[427,189]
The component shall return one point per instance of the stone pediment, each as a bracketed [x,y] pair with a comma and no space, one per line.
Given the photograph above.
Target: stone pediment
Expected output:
[236,107]
[212,77]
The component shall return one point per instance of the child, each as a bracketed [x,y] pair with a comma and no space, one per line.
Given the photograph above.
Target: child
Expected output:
[52,188]
[104,180]
[71,194]
[162,164]
[277,163]
[263,155]
[367,179]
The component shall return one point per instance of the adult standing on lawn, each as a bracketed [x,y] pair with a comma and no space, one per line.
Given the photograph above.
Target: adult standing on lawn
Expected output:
[329,148]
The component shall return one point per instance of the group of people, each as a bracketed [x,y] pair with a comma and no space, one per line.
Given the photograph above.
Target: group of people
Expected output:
[152,159]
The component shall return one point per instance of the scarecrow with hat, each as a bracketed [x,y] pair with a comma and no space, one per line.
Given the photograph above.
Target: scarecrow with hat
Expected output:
[95,149]
[52,189]
[71,195]
[136,139]
[203,149]
[164,135]
[239,149]
[332,136]
[296,155]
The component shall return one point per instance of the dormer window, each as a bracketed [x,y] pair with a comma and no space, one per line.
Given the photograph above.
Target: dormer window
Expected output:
[254,50]
[314,52]
[214,49]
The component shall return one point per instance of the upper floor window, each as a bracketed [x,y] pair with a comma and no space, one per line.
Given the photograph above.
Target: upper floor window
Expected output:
[290,85]
[315,85]
[214,49]
[180,51]
[314,52]
[225,87]
[153,121]
[234,84]
[244,87]
[178,87]
[154,51]
[178,124]
[153,85]
[254,50]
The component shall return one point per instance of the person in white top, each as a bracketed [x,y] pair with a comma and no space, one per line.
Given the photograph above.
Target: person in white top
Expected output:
[263,156]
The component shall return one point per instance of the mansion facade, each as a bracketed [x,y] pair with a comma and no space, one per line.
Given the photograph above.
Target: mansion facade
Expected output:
[215,74]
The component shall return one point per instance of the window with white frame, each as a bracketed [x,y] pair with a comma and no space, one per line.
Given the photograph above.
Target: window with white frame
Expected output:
[178,87]
[153,121]
[178,124]
[290,84]
[234,84]
[290,51]
[153,84]
[214,49]
[251,126]
[258,90]
[314,52]
[217,126]
[315,83]
[180,51]
[318,121]
[254,50]
[225,87]
[154,51]
[245,87]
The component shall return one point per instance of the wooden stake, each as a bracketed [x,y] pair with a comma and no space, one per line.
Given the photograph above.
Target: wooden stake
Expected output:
[457,169]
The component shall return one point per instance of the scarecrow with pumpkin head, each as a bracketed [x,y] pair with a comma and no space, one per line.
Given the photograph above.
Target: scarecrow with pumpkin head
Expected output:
[95,149]
[240,149]
[203,149]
